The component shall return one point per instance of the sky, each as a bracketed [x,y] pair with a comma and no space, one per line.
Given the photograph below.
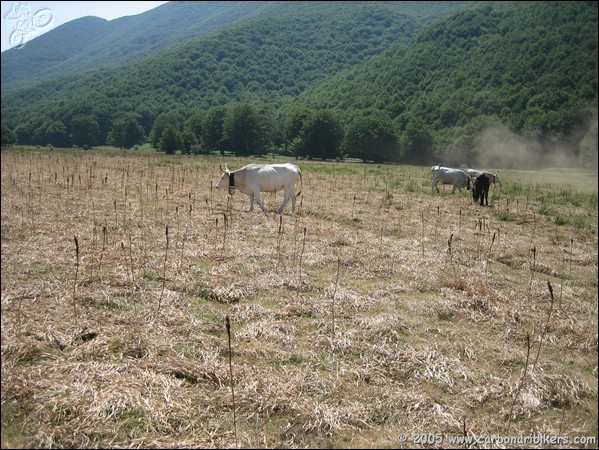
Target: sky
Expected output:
[23,20]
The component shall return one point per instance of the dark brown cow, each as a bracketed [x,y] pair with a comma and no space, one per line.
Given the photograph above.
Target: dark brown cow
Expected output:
[480,189]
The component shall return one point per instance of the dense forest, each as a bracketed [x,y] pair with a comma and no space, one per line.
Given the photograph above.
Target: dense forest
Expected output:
[409,82]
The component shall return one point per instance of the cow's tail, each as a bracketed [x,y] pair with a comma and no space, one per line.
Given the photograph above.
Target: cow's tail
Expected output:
[301,182]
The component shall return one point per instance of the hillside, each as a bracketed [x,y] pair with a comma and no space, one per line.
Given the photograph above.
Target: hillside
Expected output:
[436,76]
[274,55]
[530,66]
[90,43]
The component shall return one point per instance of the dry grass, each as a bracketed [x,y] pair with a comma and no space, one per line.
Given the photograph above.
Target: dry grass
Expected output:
[378,309]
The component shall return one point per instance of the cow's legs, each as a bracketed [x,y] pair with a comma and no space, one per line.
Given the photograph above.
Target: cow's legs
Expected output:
[288,194]
[259,201]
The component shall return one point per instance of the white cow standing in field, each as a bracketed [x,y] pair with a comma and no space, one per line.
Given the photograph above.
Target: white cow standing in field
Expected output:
[255,178]
[445,175]
[473,174]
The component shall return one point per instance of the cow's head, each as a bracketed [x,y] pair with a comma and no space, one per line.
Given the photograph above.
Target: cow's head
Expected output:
[226,180]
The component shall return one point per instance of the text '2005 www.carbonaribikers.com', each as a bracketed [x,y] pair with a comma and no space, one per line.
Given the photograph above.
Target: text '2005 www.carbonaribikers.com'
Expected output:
[533,439]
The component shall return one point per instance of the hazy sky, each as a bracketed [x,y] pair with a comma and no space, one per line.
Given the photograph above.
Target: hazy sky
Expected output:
[23,21]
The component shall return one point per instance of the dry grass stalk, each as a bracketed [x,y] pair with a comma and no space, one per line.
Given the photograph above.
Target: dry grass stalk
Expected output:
[571,254]
[301,256]
[103,248]
[546,326]
[279,238]
[164,270]
[422,233]
[335,294]
[76,277]
[186,231]
[520,384]
[226,226]
[532,266]
[232,383]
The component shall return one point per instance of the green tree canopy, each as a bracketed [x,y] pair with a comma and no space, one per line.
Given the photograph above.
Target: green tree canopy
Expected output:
[126,132]
[315,134]
[371,139]
[417,143]
[84,130]
[56,134]
[8,136]
[165,120]
[214,130]
[170,141]
[246,130]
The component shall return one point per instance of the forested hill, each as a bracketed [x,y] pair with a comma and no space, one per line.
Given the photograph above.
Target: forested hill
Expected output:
[277,53]
[91,43]
[529,66]
[385,81]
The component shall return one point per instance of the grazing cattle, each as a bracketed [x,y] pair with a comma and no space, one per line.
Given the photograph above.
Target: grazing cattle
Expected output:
[480,189]
[255,178]
[493,178]
[444,175]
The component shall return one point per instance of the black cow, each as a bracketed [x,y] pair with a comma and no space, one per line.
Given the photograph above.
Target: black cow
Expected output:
[480,189]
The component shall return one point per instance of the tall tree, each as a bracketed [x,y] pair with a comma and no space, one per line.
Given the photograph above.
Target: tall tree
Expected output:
[195,124]
[8,136]
[56,134]
[163,121]
[214,134]
[371,139]
[246,130]
[170,141]
[126,132]
[189,142]
[84,130]
[321,136]
[417,143]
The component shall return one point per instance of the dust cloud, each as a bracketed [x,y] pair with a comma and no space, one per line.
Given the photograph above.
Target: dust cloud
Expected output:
[498,147]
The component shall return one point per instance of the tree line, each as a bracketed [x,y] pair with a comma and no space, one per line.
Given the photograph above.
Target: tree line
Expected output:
[243,129]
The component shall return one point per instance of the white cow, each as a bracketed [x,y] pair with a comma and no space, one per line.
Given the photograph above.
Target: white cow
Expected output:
[255,178]
[444,175]
[473,174]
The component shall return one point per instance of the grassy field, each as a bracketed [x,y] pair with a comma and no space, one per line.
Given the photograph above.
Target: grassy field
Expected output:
[380,315]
